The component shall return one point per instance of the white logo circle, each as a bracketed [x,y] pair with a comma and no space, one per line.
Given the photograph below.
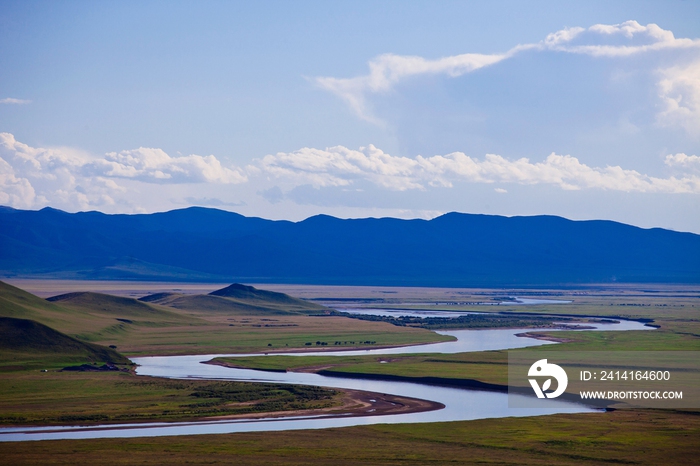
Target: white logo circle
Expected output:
[542,369]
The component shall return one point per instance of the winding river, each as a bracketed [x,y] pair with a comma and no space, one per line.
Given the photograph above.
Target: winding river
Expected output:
[460,404]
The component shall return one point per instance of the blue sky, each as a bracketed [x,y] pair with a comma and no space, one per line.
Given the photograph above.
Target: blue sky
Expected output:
[354,109]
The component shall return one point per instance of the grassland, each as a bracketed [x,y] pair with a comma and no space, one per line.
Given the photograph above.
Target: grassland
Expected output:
[34,389]
[28,395]
[27,345]
[677,319]
[104,397]
[237,299]
[620,437]
[672,308]
[140,328]
[260,334]
[481,320]
[488,367]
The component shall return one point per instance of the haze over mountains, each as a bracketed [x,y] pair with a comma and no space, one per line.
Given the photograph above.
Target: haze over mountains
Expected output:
[200,244]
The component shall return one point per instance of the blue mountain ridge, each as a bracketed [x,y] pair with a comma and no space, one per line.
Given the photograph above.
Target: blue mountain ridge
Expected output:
[455,249]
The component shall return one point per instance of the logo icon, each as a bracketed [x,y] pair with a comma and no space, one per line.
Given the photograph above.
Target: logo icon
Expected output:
[543,369]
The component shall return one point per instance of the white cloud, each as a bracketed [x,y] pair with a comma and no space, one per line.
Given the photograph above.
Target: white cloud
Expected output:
[71,179]
[155,166]
[640,38]
[678,87]
[143,164]
[14,191]
[683,161]
[12,101]
[76,180]
[46,174]
[679,90]
[340,166]
[39,161]
[388,69]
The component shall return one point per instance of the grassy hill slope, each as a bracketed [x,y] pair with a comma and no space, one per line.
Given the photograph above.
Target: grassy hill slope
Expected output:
[99,303]
[25,343]
[237,299]
[199,324]
[88,316]
[253,295]
[15,302]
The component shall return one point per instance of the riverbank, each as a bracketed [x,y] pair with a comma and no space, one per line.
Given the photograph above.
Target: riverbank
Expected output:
[55,397]
[650,437]
[479,404]
[328,370]
[352,403]
[545,337]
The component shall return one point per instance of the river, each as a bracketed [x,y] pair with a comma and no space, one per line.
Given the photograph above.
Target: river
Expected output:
[460,404]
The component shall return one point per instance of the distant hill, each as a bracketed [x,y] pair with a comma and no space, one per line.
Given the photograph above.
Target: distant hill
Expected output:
[199,244]
[251,294]
[115,306]
[31,339]
[236,299]
[87,316]
[15,302]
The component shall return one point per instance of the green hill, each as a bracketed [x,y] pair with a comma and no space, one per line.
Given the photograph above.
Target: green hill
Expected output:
[237,299]
[116,306]
[251,295]
[15,302]
[207,304]
[88,316]
[27,342]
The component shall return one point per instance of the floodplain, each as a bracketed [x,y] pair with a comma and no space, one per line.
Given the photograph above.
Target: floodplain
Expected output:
[626,436]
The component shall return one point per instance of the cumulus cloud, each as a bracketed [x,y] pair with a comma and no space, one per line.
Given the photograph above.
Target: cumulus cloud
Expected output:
[591,41]
[340,166]
[683,161]
[14,191]
[42,173]
[678,88]
[73,179]
[155,166]
[39,160]
[32,177]
[12,101]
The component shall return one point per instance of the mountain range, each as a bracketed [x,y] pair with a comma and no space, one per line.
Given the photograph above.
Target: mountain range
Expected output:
[455,249]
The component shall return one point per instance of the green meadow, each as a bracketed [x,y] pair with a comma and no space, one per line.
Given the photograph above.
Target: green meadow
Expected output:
[488,366]
[31,396]
[678,330]
[144,328]
[40,337]
[620,437]
[55,397]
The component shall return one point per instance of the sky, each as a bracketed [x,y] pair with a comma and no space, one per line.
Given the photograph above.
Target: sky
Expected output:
[409,109]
